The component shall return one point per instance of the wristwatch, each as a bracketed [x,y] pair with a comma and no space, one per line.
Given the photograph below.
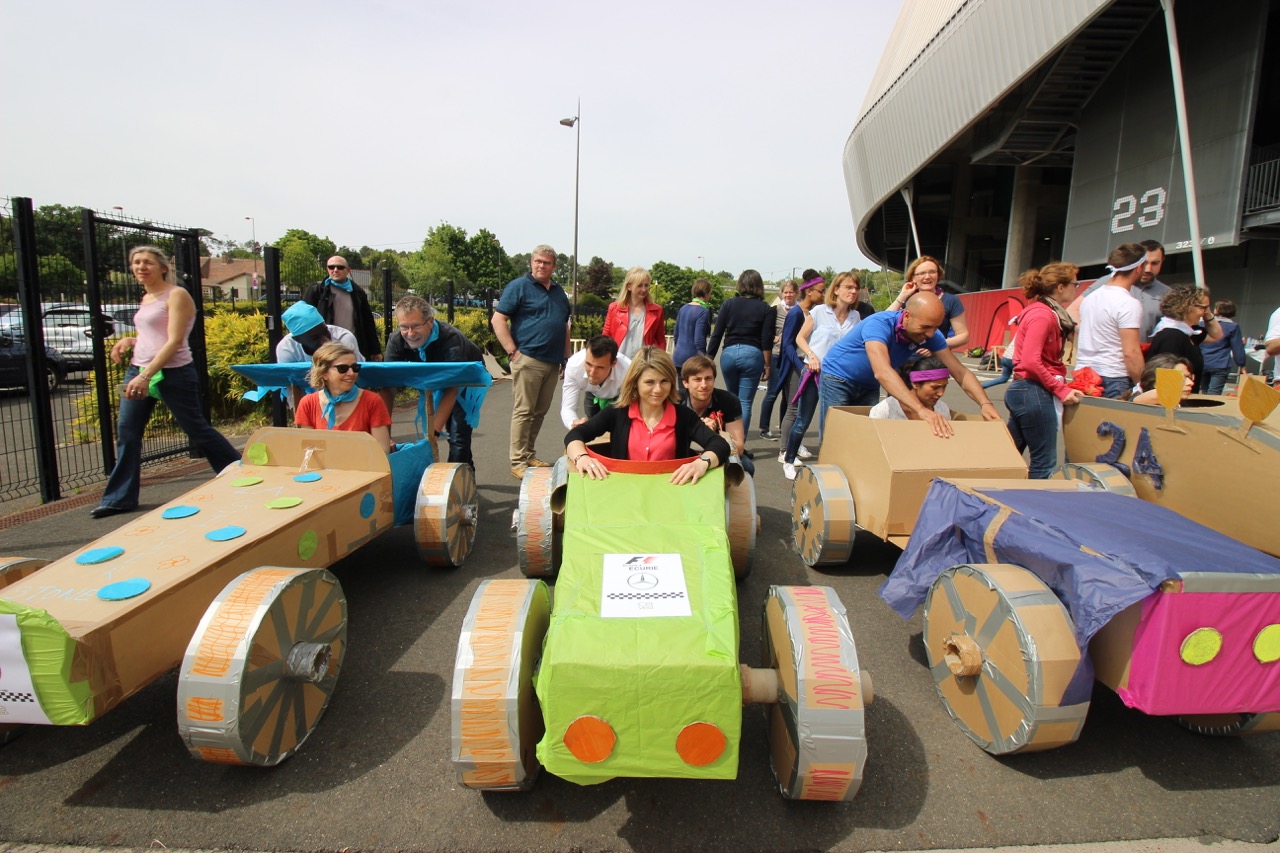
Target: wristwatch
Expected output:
[706,457]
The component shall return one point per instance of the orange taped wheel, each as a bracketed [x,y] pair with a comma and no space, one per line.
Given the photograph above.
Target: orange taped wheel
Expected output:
[444,521]
[742,523]
[539,520]
[262,665]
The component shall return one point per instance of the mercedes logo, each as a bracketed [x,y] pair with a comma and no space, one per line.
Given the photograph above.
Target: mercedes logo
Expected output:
[642,581]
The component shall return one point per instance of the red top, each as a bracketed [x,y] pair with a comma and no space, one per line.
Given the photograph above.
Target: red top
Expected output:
[369,412]
[1038,355]
[618,318]
[660,443]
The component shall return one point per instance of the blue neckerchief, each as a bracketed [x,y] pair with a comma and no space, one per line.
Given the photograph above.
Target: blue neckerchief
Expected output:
[345,285]
[431,339]
[331,407]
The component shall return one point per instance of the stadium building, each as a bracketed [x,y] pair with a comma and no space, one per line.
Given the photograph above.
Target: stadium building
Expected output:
[999,135]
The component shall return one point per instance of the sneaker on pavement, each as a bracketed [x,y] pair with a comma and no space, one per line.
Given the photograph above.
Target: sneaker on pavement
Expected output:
[804,452]
[769,436]
[788,470]
[782,457]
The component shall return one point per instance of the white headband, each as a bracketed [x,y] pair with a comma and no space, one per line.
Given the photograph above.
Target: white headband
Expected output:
[1133,266]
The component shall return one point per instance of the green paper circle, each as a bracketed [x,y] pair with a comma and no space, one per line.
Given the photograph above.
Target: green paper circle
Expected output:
[307,543]
[246,481]
[283,503]
[257,453]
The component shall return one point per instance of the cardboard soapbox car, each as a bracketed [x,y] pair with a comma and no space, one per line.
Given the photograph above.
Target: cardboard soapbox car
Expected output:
[635,670]
[230,583]
[1030,589]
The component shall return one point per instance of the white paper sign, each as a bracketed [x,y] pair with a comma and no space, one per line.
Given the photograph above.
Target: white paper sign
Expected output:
[18,702]
[639,585]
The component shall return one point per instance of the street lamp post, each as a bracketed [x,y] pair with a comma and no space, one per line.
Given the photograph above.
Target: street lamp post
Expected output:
[702,262]
[575,123]
[253,228]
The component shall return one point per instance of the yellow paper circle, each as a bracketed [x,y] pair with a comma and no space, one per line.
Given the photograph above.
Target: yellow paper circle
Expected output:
[246,481]
[307,545]
[257,453]
[1201,646]
[1266,646]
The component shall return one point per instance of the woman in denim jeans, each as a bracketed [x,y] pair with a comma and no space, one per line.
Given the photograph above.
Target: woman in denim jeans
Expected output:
[164,320]
[745,324]
[1039,389]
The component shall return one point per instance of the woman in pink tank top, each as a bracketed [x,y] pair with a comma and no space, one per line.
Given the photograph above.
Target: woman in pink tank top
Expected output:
[160,367]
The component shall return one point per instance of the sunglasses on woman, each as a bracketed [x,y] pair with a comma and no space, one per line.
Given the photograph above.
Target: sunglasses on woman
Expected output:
[343,368]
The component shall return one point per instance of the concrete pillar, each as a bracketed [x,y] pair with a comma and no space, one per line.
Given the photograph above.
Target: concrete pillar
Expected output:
[1020,242]
[958,234]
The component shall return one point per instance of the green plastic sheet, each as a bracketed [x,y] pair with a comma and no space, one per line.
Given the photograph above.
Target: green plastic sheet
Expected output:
[647,678]
[65,695]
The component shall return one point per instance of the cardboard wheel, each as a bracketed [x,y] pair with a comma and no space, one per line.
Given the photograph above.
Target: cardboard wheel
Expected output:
[742,523]
[495,721]
[539,520]
[1225,725]
[822,516]
[444,520]
[14,569]
[1098,475]
[262,665]
[1002,650]
[817,734]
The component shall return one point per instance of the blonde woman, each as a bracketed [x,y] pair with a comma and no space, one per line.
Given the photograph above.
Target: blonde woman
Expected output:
[339,404]
[633,320]
[166,315]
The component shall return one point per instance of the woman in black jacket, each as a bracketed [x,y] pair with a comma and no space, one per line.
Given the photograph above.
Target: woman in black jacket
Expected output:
[746,324]
[647,423]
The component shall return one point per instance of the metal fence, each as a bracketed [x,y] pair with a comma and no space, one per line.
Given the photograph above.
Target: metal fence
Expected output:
[67,295]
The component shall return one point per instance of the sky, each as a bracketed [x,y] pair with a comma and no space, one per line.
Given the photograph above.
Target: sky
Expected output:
[711,133]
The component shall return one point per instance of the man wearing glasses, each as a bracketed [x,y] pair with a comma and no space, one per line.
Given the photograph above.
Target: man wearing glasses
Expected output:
[531,321]
[342,303]
[422,338]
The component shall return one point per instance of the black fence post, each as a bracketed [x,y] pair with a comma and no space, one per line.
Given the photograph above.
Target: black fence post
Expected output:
[24,239]
[388,310]
[271,291]
[101,376]
[449,294]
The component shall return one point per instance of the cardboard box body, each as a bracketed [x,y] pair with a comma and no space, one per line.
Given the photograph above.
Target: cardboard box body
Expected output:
[86,655]
[1210,475]
[890,463]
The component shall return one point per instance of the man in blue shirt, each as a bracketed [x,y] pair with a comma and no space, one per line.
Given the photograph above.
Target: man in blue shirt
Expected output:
[868,358]
[531,322]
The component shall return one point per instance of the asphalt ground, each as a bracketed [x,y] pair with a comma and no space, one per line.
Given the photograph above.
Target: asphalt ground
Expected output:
[376,773]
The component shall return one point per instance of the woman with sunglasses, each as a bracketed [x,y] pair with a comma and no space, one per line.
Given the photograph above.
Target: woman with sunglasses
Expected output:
[339,404]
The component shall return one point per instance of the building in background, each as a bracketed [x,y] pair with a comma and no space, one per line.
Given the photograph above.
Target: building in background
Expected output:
[1000,134]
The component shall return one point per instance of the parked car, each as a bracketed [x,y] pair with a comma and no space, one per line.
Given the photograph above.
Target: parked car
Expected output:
[68,328]
[122,316]
[13,364]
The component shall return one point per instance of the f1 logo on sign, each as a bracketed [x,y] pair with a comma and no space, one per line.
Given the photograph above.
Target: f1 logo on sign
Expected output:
[1126,206]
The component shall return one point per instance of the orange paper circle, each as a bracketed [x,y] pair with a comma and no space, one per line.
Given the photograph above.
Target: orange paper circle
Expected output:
[699,744]
[590,739]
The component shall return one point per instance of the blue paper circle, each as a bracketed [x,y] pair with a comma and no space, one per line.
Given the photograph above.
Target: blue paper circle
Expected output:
[309,477]
[367,505]
[180,511]
[99,555]
[121,590]
[222,534]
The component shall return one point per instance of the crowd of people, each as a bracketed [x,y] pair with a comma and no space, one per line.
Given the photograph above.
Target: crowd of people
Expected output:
[819,344]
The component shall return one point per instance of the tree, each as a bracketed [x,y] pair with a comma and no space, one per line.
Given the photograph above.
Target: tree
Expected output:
[598,280]
[298,265]
[486,261]
[354,259]
[320,247]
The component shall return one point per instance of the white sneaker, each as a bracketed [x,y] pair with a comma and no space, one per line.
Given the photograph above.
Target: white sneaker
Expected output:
[804,452]
[782,457]
[788,470]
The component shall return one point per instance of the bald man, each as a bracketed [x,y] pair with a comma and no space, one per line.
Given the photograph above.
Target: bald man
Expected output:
[868,358]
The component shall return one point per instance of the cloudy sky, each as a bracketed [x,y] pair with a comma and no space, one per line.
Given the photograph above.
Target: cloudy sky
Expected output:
[711,132]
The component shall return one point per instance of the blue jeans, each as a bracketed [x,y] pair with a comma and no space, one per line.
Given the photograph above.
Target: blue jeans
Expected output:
[1116,387]
[742,366]
[1033,423]
[770,397]
[1215,380]
[180,391]
[1006,373]
[834,391]
[804,409]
